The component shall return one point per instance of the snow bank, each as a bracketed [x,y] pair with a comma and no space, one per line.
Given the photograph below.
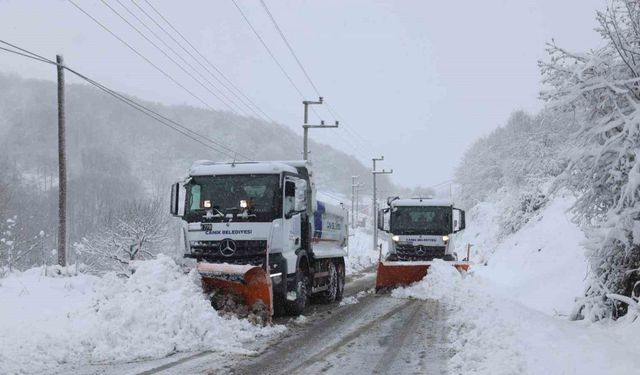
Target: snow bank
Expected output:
[361,255]
[494,335]
[45,322]
[542,266]
[504,317]
[441,282]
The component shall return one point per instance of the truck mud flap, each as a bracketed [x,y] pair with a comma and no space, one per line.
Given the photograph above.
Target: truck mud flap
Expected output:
[250,284]
[393,274]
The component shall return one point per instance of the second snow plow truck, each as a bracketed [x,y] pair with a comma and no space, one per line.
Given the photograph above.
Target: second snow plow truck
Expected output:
[257,232]
[420,229]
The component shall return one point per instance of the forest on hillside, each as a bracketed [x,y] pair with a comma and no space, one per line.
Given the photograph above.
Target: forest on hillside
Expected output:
[587,140]
[120,166]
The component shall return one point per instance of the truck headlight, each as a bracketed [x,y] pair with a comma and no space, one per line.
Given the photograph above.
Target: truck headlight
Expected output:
[445,238]
[395,238]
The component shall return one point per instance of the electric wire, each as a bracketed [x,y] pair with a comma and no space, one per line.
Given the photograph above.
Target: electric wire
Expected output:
[167,55]
[232,88]
[143,109]
[167,75]
[211,84]
[306,74]
[273,57]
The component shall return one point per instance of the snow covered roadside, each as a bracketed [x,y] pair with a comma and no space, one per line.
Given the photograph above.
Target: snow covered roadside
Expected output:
[48,321]
[493,334]
[361,255]
[542,265]
[509,314]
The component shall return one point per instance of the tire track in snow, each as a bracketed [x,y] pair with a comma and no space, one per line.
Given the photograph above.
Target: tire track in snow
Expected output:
[348,339]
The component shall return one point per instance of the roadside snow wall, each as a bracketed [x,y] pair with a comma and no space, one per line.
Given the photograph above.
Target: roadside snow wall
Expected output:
[49,321]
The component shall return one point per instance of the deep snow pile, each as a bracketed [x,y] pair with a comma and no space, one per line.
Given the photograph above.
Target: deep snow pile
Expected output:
[361,253]
[542,266]
[490,333]
[159,310]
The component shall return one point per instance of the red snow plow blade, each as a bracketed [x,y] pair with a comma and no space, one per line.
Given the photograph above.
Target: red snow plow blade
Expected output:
[251,284]
[393,274]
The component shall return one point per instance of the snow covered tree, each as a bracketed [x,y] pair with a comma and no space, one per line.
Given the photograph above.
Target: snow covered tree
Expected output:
[18,249]
[602,89]
[134,231]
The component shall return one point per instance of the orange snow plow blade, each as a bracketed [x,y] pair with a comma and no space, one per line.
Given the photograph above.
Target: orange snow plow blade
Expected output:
[251,283]
[398,273]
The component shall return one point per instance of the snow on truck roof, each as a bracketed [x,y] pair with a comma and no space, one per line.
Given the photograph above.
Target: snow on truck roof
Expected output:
[208,168]
[421,202]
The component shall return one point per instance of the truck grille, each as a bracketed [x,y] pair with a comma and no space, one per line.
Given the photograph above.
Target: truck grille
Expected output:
[230,251]
[419,252]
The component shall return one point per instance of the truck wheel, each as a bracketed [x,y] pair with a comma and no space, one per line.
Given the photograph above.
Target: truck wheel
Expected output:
[340,283]
[303,285]
[330,294]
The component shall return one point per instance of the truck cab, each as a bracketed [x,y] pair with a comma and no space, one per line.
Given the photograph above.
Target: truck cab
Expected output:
[259,214]
[421,229]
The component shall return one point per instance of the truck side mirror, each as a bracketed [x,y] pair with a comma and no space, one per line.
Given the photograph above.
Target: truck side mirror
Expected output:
[383,219]
[177,204]
[459,222]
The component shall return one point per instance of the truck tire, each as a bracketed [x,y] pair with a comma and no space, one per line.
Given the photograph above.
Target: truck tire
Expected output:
[330,295]
[341,281]
[302,288]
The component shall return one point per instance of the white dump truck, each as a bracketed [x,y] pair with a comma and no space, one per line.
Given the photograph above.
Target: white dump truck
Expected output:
[256,230]
[420,230]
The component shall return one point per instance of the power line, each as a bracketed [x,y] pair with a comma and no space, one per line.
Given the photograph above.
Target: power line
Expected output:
[145,110]
[211,84]
[304,70]
[264,44]
[166,55]
[295,56]
[242,97]
[167,75]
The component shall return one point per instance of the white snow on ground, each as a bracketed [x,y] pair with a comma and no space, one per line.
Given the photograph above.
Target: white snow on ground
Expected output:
[361,252]
[504,317]
[493,334]
[48,321]
[542,266]
[356,299]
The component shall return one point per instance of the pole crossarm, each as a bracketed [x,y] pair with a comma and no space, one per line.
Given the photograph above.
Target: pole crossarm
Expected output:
[306,126]
[383,172]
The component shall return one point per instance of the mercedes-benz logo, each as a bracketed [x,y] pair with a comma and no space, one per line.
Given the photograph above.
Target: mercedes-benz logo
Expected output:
[227,247]
[421,250]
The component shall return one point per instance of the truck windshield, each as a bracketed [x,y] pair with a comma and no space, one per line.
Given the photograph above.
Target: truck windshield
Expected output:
[213,198]
[421,220]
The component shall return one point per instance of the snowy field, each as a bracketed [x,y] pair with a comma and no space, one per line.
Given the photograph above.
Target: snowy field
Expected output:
[51,321]
[510,316]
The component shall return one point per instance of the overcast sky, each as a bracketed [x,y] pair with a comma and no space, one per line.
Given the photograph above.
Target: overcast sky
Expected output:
[415,81]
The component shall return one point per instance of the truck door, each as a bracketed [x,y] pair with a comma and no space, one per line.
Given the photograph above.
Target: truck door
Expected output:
[292,216]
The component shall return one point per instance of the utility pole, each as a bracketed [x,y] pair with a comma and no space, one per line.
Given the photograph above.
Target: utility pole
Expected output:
[306,126]
[358,186]
[375,200]
[62,169]
[374,204]
[353,200]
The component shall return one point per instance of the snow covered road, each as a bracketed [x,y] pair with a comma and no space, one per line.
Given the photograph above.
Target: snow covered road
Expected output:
[379,335]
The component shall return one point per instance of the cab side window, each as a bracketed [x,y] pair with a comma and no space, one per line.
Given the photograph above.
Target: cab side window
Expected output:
[289,196]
